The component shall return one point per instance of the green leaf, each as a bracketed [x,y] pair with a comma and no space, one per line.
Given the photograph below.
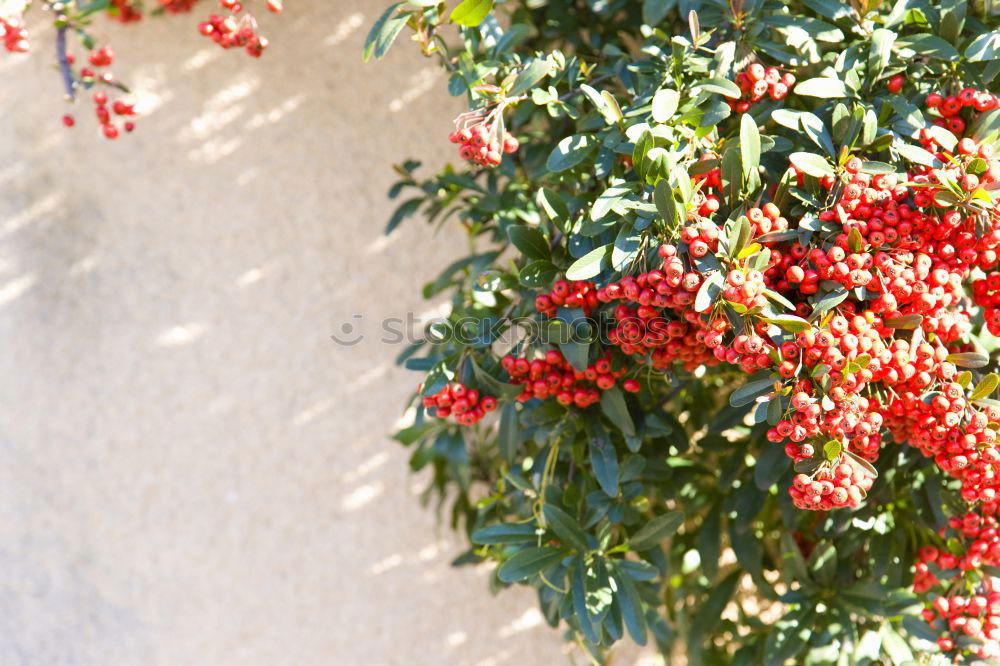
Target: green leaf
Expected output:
[384,32]
[656,530]
[615,408]
[604,461]
[631,605]
[626,248]
[709,292]
[538,274]
[747,393]
[904,321]
[917,155]
[822,87]
[653,11]
[607,200]
[554,207]
[665,104]
[790,323]
[984,47]
[580,601]
[570,152]
[471,13]
[663,197]
[832,450]
[830,300]
[529,77]
[925,45]
[405,210]
[589,265]
[972,360]
[812,164]
[504,533]
[508,435]
[528,562]
[721,86]
[709,615]
[749,144]
[771,464]
[529,240]
[985,387]
[566,527]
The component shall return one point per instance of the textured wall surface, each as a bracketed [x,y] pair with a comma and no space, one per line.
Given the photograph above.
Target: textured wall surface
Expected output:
[191,472]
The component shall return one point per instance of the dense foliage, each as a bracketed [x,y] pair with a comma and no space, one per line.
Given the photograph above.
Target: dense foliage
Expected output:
[718,368]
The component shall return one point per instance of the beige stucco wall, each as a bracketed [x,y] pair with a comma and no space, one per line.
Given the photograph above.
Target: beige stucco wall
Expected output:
[191,472]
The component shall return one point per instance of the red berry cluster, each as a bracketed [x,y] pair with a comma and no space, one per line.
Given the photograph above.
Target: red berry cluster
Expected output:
[845,376]
[553,376]
[580,294]
[464,404]
[986,294]
[105,117]
[14,35]
[833,486]
[100,57]
[479,146]
[968,624]
[757,82]
[957,111]
[130,11]
[124,11]
[234,32]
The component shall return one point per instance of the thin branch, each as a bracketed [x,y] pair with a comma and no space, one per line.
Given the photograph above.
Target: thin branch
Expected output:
[64,68]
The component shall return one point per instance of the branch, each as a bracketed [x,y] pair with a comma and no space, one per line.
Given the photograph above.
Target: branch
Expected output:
[64,68]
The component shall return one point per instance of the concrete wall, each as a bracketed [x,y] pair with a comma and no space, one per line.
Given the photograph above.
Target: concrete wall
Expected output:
[191,472]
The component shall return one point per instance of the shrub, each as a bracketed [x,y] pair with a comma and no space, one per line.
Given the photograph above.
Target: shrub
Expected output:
[717,371]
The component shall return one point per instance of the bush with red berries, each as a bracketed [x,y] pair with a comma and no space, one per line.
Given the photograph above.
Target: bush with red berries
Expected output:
[738,286]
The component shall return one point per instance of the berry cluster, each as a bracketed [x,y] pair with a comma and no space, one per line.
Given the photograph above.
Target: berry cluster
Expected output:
[104,109]
[757,82]
[580,294]
[464,404]
[235,31]
[957,111]
[480,146]
[986,294]
[833,486]
[968,624]
[553,376]
[881,360]
[105,117]
[14,35]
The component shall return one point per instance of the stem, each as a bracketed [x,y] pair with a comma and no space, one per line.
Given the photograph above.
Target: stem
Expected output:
[64,68]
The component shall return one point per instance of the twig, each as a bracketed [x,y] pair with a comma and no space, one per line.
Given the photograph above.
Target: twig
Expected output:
[64,68]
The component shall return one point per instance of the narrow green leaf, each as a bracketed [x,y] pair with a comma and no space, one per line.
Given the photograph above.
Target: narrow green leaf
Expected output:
[566,527]
[384,32]
[616,409]
[589,265]
[749,144]
[528,562]
[504,533]
[747,393]
[656,530]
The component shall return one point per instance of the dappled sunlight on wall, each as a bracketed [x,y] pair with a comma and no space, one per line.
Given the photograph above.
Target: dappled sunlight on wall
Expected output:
[191,467]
